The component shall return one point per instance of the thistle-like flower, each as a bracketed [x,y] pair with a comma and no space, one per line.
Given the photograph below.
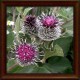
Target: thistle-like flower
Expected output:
[30,23]
[49,28]
[49,21]
[26,54]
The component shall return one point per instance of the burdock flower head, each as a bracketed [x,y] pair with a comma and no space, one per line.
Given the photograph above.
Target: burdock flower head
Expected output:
[30,23]
[49,28]
[26,54]
[49,21]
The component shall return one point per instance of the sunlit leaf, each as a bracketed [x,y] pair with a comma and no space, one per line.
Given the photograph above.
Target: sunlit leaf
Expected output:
[26,11]
[19,9]
[64,43]
[17,24]
[57,51]
[68,25]
[68,33]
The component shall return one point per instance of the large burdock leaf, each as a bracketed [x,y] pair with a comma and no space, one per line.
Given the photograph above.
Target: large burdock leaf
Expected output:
[31,69]
[26,69]
[40,70]
[57,51]
[64,43]
[57,64]
[68,71]
[13,67]
[43,70]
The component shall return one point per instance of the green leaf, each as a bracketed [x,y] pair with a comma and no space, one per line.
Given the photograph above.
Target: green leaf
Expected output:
[57,64]
[9,10]
[26,69]
[42,70]
[26,11]
[68,25]
[19,9]
[70,12]
[63,13]
[9,28]
[16,68]
[68,71]
[10,63]
[13,65]
[68,33]
[17,24]
[21,22]
[10,38]
[66,13]
[57,51]
[64,43]
[54,65]
[29,69]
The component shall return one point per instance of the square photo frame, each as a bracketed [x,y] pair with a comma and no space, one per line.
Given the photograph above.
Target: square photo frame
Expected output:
[4,41]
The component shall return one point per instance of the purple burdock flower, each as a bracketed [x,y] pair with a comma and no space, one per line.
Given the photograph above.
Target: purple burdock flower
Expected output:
[49,21]
[49,28]
[26,54]
[30,23]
